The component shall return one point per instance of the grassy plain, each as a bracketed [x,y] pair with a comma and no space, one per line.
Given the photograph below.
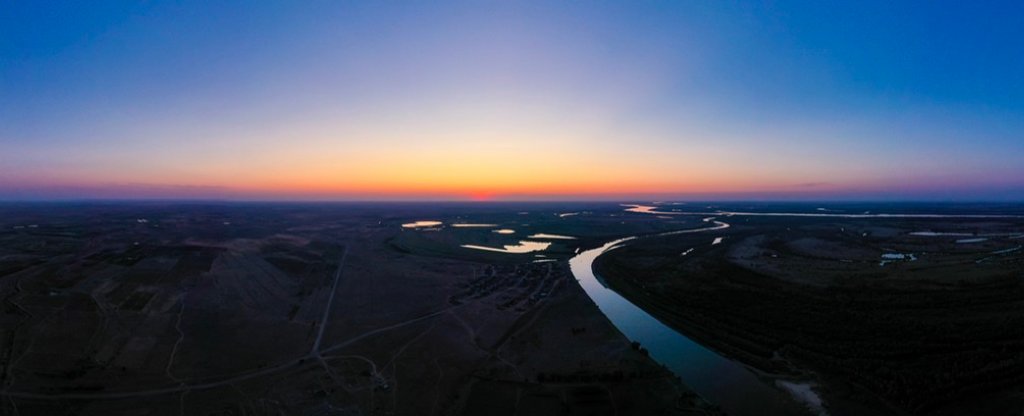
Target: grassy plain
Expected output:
[892,315]
[218,309]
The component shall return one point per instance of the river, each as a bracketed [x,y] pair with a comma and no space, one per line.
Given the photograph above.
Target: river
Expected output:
[719,380]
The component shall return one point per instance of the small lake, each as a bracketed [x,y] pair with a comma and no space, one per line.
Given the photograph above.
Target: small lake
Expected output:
[543,236]
[523,247]
[422,224]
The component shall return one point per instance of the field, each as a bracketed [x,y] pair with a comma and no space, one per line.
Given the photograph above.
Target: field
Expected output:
[890,315]
[451,309]
[231,309]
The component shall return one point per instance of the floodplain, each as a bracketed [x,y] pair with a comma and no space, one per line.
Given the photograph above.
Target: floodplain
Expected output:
[224,308]
[409,309]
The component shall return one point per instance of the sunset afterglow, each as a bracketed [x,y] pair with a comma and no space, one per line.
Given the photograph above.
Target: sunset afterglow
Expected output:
[492,101]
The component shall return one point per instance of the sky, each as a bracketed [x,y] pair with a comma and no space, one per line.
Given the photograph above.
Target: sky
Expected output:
[555,100]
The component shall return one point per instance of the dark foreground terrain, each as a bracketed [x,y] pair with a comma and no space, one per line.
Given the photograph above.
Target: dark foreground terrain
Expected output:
[452,309]
[248,309]
[890,315]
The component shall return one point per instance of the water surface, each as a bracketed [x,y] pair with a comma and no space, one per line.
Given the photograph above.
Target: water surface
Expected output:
[422,224]
[543,236]
[719,380]
[524,246]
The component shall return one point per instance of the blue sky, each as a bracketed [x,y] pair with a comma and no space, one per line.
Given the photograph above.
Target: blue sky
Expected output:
[546,100]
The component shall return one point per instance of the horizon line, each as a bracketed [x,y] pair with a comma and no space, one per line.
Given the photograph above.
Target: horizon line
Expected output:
[503,201]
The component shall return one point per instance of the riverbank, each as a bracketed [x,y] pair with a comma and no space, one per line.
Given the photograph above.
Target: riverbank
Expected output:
[880,339]
[723,381]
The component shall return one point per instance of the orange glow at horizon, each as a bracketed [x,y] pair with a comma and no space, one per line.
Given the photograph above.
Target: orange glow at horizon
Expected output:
[444,173]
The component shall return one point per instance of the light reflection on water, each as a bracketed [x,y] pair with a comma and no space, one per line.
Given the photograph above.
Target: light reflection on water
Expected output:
[716,378]
[544,236]
[648,209]
[422,224]
[524,246]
